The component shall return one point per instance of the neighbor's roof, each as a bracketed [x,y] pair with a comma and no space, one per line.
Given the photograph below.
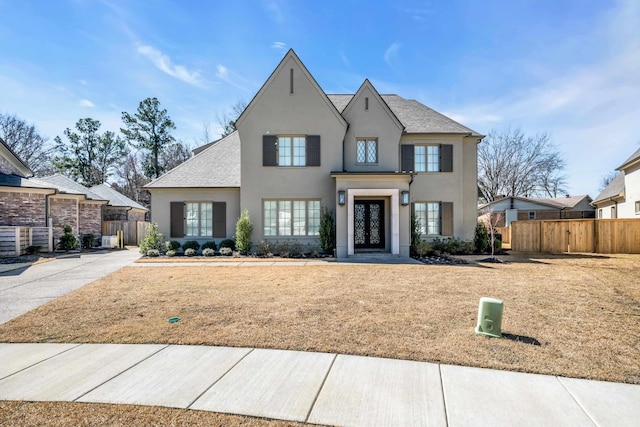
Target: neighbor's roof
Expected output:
[11,180]
[414,116]
[114,197]
[66,185]
[613,190]
[556,202]
[215,167]
[10,163]
[632,159]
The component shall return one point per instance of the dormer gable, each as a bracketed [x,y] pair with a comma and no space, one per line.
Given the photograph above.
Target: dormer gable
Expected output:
[367,99]
[289,81]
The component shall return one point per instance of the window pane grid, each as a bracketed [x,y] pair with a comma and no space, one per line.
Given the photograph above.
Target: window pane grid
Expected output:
[291,217]
[420,158]
[292,151]
[284,218]
[433,158]
[421,216]
[270,218]
[366,151]
[361,149]
[433,218]
[299,155]
[314,218]
[199,219]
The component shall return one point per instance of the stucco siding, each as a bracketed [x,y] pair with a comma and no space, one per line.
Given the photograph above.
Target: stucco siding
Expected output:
[631,192]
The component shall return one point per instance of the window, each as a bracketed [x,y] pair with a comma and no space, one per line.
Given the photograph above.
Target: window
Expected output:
[637,207]
[599,213]
[532,215]
[291,151]
[367,151]
[613,212]
[199,219]
[428,215]
[291,217]
[427,158]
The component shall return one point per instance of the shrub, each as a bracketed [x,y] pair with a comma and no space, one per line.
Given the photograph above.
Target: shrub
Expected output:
[452,246]
[226,251]
[422,249]
[327,230]
[171,253]
[236,254]
[88,241]
[190,244]
[32,250]
[227,243]
[68,241]
[208,252]
[152,253]
[295,250]
[262,248]
[152,239]
[415,234]
[172,245]
[209,245]
[190,252]
[244,229]
[481,238]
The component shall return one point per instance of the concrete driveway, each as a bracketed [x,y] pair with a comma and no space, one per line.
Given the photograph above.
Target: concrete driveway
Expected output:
[29,287]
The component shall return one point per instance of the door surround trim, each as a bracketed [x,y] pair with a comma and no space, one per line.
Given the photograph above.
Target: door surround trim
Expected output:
[394,219]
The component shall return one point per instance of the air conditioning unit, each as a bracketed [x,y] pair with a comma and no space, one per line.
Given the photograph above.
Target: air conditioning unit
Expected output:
[109,241]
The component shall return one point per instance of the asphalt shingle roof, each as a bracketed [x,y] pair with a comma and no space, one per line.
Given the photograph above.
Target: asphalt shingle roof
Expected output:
[414,116]
[635,156]
[615,187]
[67,185]
[114,197]
[218,166]
[10,180]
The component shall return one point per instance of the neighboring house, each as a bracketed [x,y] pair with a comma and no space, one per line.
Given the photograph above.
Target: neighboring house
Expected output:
[371,159]
[531,208]
[621,198]
[120,207]
[74,205]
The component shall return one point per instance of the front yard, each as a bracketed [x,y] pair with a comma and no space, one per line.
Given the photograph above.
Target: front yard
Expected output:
[582,310]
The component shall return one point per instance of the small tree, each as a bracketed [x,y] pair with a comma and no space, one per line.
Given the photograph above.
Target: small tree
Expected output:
[244,229]
[152,240]
[493,219]
[327,230]
[481,238]
[68,241]
[415,234]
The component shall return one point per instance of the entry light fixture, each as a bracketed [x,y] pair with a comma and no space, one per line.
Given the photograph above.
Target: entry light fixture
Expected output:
[341,198]
[404,200]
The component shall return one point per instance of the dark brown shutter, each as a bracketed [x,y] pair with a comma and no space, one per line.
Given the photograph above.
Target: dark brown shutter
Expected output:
[407,163]
[446,158]
[446,219]
[177,219]
[313,150]
[220,219]
[269,150]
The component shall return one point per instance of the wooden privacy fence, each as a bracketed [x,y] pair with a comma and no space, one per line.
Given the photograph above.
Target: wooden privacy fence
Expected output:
[612,236]
[134,231]
[15,240]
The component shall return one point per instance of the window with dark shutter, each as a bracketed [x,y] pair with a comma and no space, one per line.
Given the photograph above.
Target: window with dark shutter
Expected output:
[269,150]
[220,219]
[446,158]
[313,150]
[177,219]
[446,218]
[407,157]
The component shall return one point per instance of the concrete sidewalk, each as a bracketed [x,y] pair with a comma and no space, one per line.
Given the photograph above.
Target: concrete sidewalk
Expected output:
[309,387]
[23,289]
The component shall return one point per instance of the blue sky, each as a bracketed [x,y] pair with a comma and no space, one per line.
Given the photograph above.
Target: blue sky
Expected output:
[567,67]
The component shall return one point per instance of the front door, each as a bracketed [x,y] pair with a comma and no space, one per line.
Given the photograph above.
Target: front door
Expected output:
[368,224]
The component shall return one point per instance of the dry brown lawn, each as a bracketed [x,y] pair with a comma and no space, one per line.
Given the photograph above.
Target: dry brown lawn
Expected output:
[583,310]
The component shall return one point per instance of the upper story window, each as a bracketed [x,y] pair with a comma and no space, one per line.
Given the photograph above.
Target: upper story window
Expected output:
[367,151]
[291,151]
[637,207]
[427,158]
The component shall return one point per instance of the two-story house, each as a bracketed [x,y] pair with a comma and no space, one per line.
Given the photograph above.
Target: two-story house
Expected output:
[621,198]
[371,159]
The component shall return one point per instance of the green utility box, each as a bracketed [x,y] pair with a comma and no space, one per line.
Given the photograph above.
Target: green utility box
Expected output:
[490,317]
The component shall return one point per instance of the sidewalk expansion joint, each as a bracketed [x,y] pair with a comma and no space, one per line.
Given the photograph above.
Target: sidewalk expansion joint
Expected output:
[576,400]
[324,380]
[40,361]
[444,396]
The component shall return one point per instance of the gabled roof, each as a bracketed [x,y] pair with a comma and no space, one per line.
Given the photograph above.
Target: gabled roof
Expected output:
[290,55]
[66,185]
[215,167]
[11,162]
[11,180]
[635,157]
[367,85]
[115,198]
[414,116]
[556,202]
[614,190]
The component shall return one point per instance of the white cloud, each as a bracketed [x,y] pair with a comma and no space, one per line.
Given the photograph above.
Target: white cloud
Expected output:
[274,10]
[163,63]
[227,76]
[279,46]
[86,103]
[391,53]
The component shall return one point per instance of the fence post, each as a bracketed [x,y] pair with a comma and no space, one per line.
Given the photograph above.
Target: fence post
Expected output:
[17,241]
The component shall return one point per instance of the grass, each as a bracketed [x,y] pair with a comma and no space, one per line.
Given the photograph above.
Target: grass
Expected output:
[584,311]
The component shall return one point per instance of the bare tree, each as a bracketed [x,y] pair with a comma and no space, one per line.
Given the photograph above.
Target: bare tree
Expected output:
[227,121]
[606,179]
[512,164]
[24,140]
[131,180]
[175,154]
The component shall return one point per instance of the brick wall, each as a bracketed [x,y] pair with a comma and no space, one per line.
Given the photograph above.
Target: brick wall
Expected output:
[136,215]
[63,212]
[91,219]
[115,213]
[24,209]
